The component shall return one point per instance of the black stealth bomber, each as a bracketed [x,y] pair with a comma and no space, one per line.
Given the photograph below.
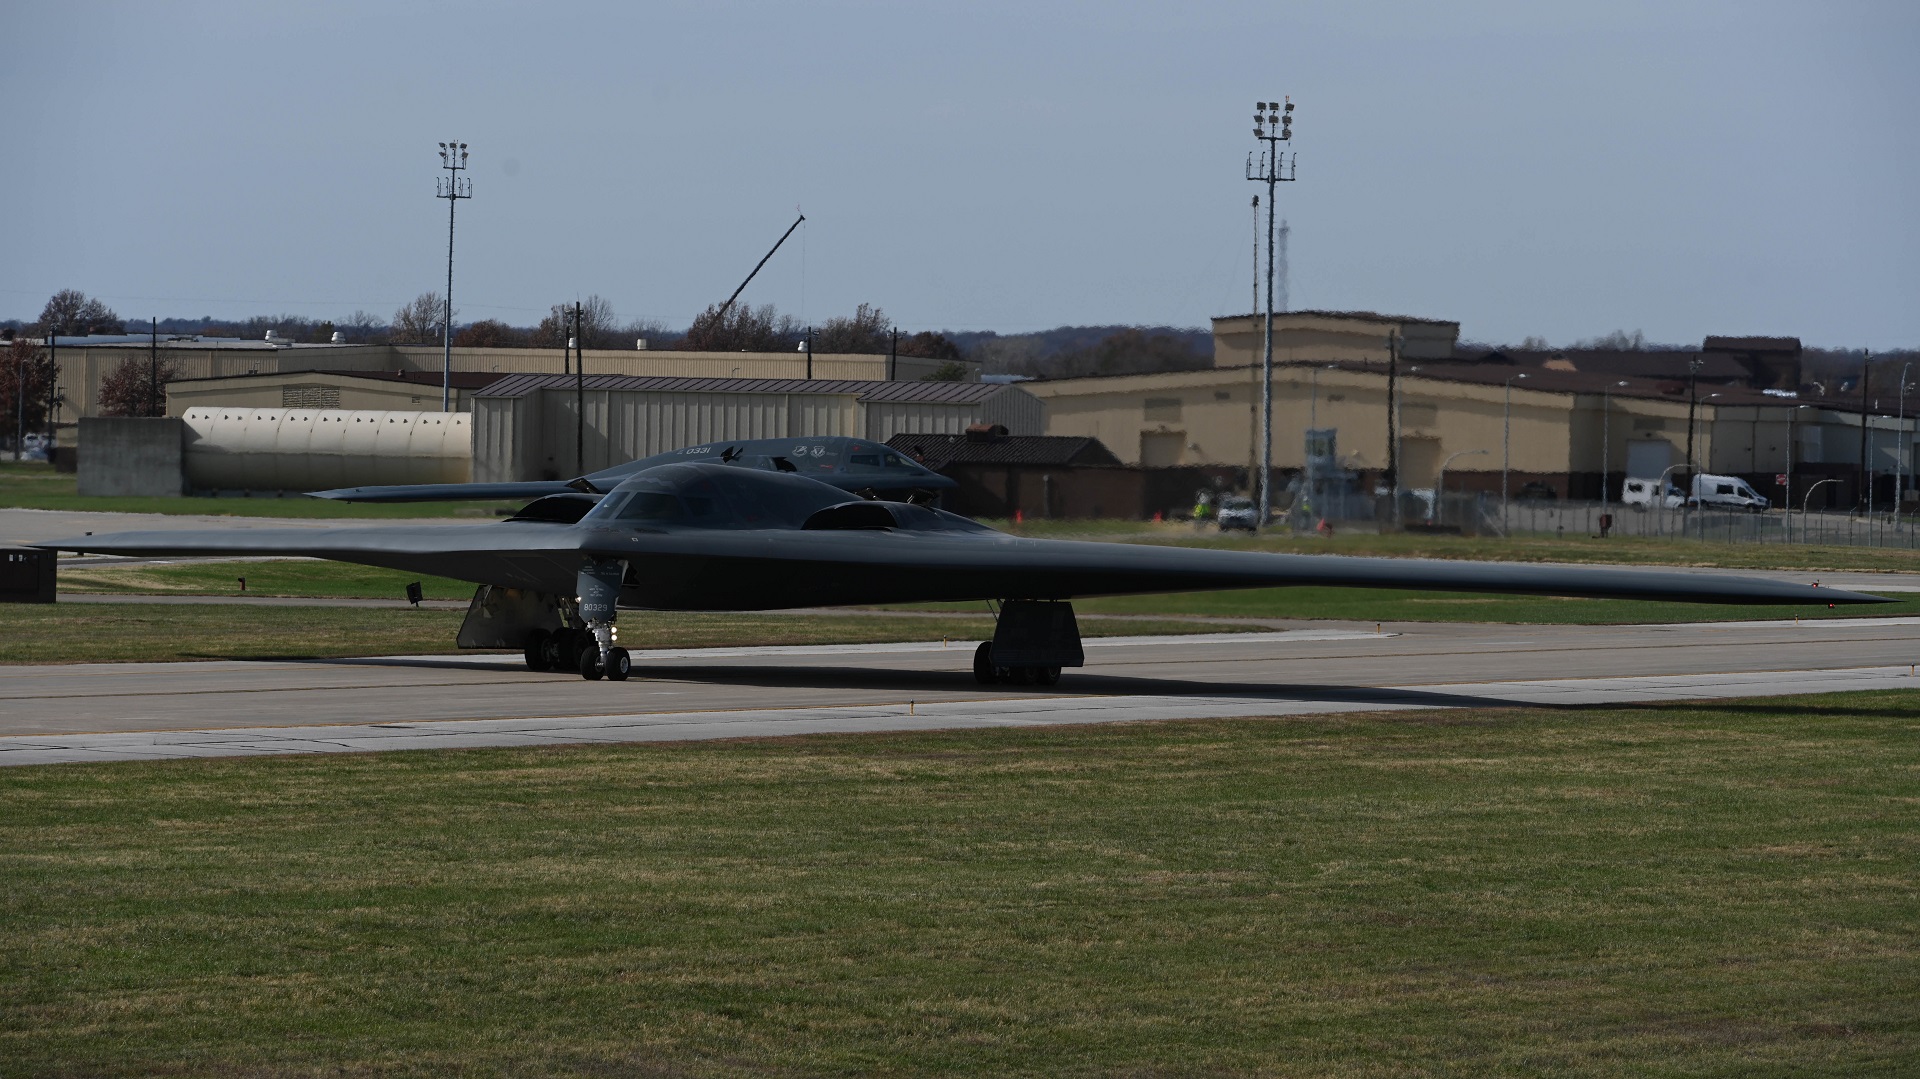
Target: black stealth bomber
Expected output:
[711,536]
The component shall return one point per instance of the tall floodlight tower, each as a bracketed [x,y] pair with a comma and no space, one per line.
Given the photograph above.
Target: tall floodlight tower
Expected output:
[1272,125]
[453,188]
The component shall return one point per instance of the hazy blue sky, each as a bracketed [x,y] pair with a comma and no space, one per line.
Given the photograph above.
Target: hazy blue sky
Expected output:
[1525,168]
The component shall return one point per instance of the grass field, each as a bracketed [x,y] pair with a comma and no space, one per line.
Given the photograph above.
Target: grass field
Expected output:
[161,632]
[1639,891]
[39,487]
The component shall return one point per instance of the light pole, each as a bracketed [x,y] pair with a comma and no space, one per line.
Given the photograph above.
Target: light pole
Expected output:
[453,158]
[1440,483]
[1506,452]
[1808,498]
[1606,435]
[1273,125]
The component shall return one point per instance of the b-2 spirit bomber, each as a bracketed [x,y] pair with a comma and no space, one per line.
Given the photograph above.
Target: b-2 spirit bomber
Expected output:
[774,524]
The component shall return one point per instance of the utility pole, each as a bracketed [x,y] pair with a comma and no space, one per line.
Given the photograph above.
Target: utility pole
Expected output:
[1506,454]
[19,400]
[579,395]
[53,392]
[1693,373]
[1866,380]
[453,158]
[1901,447]
[1606,449]
[1393,423]
[1273,125]
[809,353]
[893,352]
[153,366]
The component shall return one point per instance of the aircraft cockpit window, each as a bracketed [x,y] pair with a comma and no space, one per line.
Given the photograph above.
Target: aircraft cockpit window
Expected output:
[892,458]
[650,506]
[866,460]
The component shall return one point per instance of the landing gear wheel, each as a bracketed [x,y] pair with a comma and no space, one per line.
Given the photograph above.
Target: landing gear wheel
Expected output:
[1047,676]
[561,650]
[983,671]
[590,663]
[1021,676]
[619,664]
[536,651]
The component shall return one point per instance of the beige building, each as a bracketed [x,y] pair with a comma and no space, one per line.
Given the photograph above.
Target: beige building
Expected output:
[1331,337]
[84,366]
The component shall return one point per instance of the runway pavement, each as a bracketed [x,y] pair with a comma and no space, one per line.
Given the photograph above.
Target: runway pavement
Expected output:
[102,712]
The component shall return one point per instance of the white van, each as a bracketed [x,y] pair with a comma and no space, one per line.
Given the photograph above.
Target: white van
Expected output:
[1727,493]
[1640,495]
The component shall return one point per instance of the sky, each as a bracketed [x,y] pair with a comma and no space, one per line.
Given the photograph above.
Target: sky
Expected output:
[1561,170]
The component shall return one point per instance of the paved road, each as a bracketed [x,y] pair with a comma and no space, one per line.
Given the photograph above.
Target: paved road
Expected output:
[137,711]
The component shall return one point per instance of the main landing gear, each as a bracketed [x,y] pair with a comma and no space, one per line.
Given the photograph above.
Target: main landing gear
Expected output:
[584,643]
[1032,641]
[576,650]
[985,673]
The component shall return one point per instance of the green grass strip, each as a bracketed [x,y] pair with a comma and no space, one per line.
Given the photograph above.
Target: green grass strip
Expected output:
[1671,890]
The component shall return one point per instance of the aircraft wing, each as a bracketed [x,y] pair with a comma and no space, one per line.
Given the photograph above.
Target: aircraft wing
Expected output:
[446,492]
[771,569]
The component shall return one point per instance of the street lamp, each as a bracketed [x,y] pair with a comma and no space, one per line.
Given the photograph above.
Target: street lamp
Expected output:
[1793,424]
[1606,434]
[1273,125]
[1440,482]
[1506,452]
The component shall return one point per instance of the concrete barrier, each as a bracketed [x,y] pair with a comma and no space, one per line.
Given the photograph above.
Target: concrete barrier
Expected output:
[131,455]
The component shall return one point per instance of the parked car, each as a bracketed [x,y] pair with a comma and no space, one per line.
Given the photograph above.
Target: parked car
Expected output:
[1237,511]
[1640,495]
[1727,492]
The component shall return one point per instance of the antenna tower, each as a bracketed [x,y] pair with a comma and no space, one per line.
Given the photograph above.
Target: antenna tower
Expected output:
[452,187]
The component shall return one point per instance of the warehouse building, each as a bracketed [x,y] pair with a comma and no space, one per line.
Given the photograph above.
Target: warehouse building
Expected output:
[85,362]
[529,427]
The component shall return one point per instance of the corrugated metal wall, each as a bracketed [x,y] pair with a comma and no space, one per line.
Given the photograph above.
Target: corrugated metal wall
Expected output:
[532,437]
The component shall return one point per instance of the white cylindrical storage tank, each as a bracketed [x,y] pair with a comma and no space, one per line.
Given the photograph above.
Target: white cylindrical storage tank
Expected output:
[277,449]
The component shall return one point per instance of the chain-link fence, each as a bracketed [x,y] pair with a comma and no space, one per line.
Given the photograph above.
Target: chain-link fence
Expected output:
[1708,525]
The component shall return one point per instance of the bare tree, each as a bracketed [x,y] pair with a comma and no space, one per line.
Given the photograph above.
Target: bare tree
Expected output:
[71,312]
[420,322]
[742,329]
[598,327]
[24,382]
[866,332]
[489,333]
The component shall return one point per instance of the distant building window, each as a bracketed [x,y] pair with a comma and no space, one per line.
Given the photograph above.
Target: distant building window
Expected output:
[1223,395]
[1649,423]
[1163,408]
[309,396]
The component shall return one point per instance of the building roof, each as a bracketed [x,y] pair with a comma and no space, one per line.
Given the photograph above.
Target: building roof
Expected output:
[1059,451]
[1751,344]
[1632,363]
[1357,316]
[951,393]
[462,380]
